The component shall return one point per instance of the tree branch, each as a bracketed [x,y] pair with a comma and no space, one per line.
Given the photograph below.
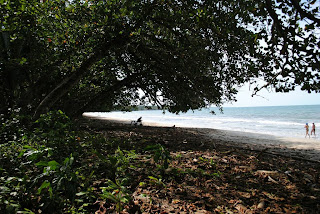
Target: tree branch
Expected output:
[105,94]
[304,13]
[283,32]
[280,29]
[66,85]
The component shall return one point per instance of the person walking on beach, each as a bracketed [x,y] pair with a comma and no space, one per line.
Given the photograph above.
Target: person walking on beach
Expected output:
[313,129]
[307,130]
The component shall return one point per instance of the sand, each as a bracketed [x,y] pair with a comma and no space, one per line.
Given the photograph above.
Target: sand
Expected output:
[304,148]
[301,148]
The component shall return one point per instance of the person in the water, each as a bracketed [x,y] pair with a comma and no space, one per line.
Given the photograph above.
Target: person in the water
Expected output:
[313,129]
[307,130]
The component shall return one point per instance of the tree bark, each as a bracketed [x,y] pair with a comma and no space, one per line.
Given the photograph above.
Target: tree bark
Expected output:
[66,84]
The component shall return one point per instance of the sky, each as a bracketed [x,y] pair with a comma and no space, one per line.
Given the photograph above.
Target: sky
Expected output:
[267,98]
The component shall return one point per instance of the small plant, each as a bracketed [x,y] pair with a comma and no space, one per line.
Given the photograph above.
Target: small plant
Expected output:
[213,164]
[160,155]
[178,156]
[10,191]
[116,192]
[12,126]
[156,181]
[118,163]
[53,121]
[121,159]
[58,179]
[35,153]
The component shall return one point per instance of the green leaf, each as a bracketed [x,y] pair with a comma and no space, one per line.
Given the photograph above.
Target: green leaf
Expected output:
[21,153]
[4,189]
[112,185]
[44,185]
[42,163]
[153,178]
[108,195]
[81,193]
[142,184]
[26,211]
[53,165]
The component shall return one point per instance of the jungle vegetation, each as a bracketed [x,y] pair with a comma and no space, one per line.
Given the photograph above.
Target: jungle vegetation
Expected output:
[60,58]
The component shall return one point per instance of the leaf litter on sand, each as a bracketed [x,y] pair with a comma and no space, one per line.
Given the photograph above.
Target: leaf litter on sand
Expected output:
[213,177]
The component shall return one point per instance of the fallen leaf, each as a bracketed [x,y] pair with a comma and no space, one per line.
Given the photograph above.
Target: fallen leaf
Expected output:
[261,205]
[242,209]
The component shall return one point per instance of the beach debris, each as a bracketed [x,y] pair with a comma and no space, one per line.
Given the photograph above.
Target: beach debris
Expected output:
[272,180]
[224,159]
[215,157]
[261,205]
[102,209]
[267,173]
[242,209]
[244,167]
[290,177]
[307,177]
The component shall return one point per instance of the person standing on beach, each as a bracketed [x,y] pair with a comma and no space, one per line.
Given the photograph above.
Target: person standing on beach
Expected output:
[307,130]
[313,129]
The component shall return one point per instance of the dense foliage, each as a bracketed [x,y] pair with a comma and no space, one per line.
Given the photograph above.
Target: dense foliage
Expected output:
[97,55]
[180,55]
[51,167]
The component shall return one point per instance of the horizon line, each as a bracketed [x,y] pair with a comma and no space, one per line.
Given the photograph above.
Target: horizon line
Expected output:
[269,105]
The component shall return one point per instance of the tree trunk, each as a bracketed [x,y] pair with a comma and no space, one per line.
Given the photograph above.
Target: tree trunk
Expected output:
[66,85]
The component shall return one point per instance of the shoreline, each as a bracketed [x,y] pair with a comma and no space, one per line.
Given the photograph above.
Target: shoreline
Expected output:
[226,170]
[303,148]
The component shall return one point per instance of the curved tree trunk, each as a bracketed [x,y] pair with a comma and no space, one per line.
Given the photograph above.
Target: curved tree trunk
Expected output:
[66,85]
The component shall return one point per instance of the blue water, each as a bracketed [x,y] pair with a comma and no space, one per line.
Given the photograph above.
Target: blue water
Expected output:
[284,121]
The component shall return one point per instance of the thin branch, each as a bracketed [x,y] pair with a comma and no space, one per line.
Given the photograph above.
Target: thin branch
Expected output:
[303,13]
[283,32]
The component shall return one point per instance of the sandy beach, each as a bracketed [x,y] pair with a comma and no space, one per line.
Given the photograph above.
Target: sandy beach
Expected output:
[299,148]
[217,171]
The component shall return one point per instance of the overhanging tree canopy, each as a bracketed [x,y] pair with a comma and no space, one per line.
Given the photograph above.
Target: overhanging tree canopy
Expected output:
[81,55]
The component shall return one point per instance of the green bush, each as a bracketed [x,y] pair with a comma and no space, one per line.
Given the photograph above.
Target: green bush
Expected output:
[13,126]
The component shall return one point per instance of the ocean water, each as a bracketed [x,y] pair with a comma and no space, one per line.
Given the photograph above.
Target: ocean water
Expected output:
[281,121]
